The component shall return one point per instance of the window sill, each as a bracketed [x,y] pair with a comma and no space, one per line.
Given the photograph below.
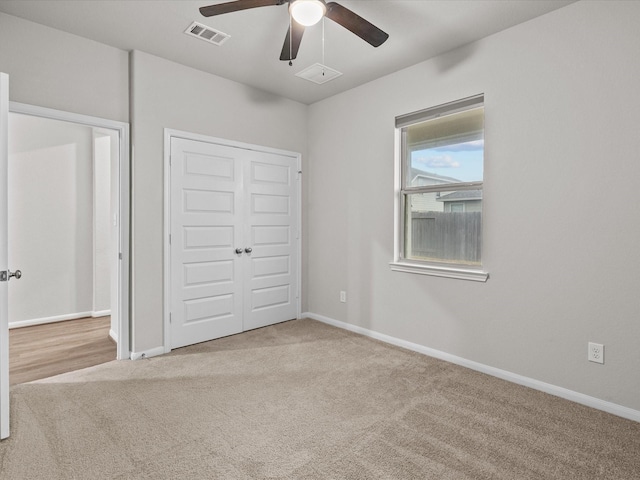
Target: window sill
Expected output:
[438,271]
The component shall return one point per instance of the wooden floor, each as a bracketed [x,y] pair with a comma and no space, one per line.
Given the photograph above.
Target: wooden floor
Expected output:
[45,350]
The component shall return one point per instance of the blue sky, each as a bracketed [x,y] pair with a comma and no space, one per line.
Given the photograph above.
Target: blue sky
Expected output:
[463,161]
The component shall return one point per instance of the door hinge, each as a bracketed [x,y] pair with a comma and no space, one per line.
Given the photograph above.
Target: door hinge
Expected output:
[120,255]
[169,239]
[3,275]
[170,317]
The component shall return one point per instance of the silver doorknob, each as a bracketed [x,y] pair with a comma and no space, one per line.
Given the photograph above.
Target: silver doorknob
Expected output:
[248,250]
[16,274]
[238,251]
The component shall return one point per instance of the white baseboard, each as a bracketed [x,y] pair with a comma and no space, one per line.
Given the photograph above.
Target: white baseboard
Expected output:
[43,320]
[58,318]
[113,335]
[148,353]
[561,392]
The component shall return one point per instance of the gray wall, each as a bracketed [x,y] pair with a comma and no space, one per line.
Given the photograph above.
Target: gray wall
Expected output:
[562,121]
[167,95]
[53,69]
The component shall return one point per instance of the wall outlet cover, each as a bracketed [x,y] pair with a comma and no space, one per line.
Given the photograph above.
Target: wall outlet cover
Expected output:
[595,352]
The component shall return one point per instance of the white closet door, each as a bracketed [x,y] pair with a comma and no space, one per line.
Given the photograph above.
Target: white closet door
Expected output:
[206,228]
[270,269]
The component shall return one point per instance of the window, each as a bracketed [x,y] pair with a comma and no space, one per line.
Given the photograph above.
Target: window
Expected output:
[439,178]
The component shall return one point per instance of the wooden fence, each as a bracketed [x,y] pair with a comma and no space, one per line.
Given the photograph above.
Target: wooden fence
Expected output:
[446,236]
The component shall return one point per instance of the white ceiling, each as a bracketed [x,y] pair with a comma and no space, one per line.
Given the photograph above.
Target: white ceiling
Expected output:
[418,30]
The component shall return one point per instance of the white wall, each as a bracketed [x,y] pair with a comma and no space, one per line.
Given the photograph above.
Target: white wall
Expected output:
[59,228]
[50,218]
[168,95]
[562,103]
[102,229]
[114,232]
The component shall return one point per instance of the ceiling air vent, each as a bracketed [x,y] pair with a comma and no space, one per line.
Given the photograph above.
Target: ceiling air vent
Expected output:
[207,34]
[318,73]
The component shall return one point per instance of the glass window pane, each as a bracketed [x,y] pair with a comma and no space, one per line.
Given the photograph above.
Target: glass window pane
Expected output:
[444,227]
[447,149]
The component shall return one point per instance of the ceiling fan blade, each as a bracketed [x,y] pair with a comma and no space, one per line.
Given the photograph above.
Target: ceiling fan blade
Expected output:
[356,24]
[236,6]
[290,49]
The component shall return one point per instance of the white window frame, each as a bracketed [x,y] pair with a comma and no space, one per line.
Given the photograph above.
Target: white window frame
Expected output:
[400,263]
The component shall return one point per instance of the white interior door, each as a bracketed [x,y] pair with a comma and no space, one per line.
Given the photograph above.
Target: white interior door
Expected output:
[4,261]
[271,214]
[206,230]
[233,250]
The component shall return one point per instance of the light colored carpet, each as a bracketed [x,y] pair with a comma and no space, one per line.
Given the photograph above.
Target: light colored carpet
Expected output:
[303,400]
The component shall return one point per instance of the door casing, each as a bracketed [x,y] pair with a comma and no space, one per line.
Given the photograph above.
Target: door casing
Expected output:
[171,133]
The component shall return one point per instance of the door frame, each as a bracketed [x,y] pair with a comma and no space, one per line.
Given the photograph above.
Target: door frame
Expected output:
[172,133]
[123,344]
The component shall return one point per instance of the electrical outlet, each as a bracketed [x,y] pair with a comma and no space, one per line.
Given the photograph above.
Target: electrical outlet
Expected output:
[596,352]
[343,296]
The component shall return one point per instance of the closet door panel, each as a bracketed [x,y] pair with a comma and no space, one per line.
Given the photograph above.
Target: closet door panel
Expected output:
[270,293]
[206,228]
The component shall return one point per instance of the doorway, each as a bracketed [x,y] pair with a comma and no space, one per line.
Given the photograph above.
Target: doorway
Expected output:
[69,220]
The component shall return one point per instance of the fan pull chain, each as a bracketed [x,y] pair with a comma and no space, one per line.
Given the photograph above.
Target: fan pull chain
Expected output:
[290,41]
[323,46]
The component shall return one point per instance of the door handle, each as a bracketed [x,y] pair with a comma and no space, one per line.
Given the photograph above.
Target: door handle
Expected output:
[5,275]
[248,250]
[239,251]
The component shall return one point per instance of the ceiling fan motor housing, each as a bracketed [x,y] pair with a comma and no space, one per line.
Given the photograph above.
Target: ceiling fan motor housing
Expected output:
[307,12]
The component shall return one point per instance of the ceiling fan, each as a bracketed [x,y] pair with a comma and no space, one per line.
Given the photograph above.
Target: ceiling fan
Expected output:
[305,13]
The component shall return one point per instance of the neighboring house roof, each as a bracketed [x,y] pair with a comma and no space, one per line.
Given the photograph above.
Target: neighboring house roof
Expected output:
[461,196]
[416,172]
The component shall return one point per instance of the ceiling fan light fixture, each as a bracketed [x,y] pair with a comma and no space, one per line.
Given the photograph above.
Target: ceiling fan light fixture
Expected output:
[307,12]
